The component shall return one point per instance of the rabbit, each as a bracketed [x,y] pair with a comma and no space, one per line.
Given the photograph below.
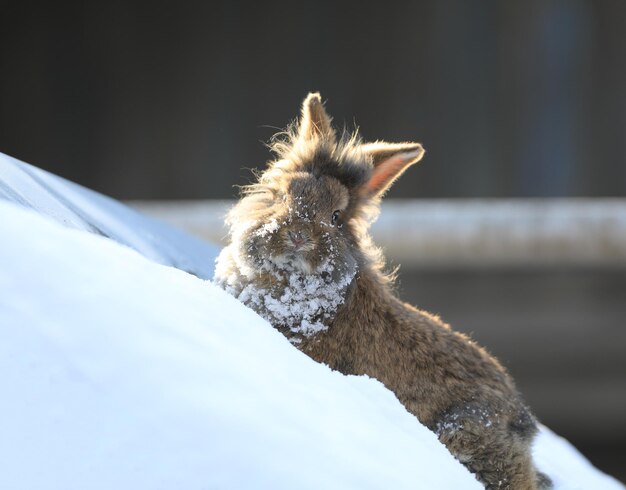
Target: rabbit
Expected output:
[300,255]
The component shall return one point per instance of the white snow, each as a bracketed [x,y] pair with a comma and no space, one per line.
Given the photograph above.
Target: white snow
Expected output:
[119,372]
[268,228]
[77,207]
[568,468]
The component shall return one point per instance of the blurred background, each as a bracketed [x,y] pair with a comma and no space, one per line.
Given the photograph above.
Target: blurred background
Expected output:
[522,99]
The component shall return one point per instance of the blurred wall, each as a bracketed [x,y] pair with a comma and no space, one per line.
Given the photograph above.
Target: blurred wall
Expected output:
[168,99]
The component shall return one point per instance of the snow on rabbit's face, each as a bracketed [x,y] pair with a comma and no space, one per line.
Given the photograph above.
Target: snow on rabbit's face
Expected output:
[302,226]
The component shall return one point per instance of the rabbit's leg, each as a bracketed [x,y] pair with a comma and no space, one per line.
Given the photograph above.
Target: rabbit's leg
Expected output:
[491,447]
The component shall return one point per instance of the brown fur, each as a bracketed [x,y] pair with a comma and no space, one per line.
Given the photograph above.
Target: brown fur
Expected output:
[302,229]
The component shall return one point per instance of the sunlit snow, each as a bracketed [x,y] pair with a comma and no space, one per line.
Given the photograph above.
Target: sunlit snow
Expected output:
[120,372]
[76,207]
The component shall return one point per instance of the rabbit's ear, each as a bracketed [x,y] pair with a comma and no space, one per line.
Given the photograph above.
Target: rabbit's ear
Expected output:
[315,123]
[390,161]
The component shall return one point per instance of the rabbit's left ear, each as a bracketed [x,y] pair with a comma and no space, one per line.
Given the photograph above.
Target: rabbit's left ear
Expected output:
[315,123]
[390,161]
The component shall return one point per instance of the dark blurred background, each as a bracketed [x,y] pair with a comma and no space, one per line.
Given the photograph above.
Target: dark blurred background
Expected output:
[527,98]
[167,99]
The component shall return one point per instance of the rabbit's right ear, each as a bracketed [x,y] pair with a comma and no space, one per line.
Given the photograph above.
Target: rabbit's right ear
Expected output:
[315,123]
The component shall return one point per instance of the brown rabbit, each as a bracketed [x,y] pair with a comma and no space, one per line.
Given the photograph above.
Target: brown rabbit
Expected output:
[300,255]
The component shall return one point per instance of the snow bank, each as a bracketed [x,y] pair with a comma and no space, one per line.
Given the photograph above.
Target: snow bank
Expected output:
[568,468]
[77,207]
[121,373]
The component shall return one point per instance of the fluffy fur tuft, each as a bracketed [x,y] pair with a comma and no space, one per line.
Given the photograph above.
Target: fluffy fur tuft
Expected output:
[301,256]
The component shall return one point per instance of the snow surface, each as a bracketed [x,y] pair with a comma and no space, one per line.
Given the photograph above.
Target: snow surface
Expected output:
[118,372]
[77,207]
[122,373]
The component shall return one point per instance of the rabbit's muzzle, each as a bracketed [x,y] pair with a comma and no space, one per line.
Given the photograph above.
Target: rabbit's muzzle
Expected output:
[298,238]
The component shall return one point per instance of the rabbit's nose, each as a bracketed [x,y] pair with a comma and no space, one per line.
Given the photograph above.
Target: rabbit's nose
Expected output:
[297,238]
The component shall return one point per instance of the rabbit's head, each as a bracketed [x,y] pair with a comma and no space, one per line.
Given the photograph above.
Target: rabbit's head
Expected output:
[310,210]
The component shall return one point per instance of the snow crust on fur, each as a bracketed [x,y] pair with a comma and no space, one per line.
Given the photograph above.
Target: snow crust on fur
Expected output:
[301,303]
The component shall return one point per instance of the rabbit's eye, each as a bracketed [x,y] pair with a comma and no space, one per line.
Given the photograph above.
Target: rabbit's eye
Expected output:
[335,216]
